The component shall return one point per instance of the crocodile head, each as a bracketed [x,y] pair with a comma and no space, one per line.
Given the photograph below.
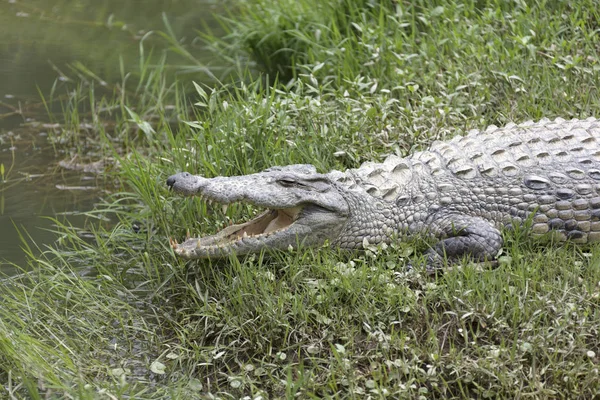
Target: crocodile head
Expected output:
[302,207]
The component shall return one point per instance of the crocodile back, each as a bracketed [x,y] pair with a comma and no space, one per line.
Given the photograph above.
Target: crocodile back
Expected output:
[511,150]
[558,150]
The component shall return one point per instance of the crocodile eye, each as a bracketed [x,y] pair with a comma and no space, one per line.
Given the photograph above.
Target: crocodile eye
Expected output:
[287,182]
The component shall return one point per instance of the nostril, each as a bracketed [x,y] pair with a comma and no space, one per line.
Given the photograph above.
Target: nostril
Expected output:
[171,181]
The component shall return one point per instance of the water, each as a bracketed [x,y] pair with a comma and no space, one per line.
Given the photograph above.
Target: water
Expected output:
[39,38]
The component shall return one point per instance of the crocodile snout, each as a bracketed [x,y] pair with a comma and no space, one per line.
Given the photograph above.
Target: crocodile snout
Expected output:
[172,180]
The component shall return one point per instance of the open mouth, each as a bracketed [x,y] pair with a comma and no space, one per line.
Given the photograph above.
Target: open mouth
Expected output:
[266,223]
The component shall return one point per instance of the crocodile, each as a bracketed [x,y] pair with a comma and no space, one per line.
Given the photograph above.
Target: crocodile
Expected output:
[461,193]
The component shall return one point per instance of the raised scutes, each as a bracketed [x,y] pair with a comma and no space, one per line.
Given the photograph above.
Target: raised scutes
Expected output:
[536,182]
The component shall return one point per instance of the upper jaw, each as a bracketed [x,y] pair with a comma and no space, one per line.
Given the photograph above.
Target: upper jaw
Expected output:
[256,189]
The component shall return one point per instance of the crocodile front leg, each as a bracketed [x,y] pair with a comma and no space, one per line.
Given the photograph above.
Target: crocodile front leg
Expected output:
[462,235]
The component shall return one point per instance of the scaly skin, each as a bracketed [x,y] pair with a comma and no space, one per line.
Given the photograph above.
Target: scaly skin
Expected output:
[461,191]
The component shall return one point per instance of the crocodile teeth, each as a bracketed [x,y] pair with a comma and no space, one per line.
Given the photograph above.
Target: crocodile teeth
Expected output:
[245,235]
[187,234]
[173,243]
[224,208]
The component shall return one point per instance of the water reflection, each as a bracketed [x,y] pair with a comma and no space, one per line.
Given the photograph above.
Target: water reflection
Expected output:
[39,39]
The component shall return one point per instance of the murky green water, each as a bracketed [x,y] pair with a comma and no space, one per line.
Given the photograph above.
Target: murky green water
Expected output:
[37,39]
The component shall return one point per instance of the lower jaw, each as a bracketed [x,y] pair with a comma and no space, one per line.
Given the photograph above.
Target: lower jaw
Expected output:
[191,249]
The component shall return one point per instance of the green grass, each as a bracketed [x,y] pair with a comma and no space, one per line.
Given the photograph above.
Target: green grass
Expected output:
[109,312]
